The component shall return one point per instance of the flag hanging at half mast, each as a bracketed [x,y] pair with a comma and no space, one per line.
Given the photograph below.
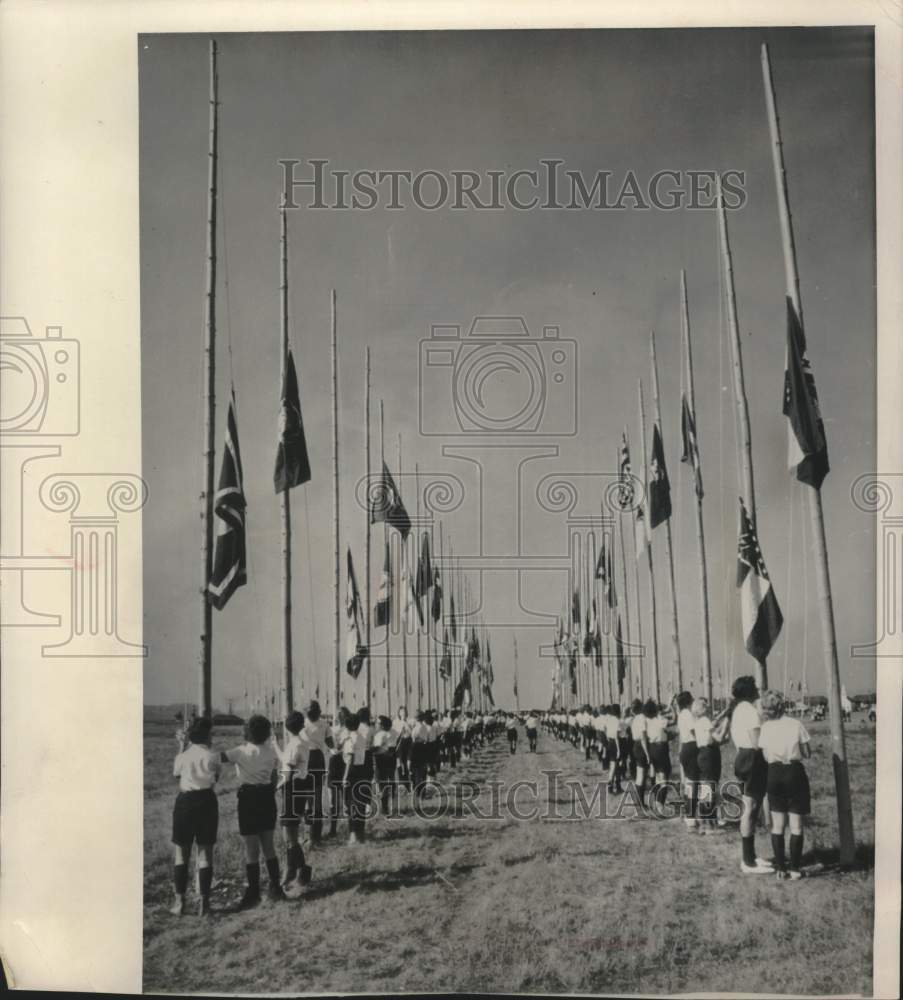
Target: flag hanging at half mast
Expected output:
[292,462]
[388,506]
[355,649]
[762,618]
[230,553]
[690,443]
[659,485]
[436,609]
[807,452]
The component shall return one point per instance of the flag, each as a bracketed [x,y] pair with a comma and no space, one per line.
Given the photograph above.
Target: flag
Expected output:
[605,573]
[621,659]
[659,486]
[576,625]
[436,609]
[424,568]
[807,452]
[589,633]
[384,594]
[387,505]
[762,618]
[462,695]
[445,664]
[690,443]
[625,477]
[488,675]
[355,649]
[292,463]
[411,600]
[453,623]
[572,667]
[230,553]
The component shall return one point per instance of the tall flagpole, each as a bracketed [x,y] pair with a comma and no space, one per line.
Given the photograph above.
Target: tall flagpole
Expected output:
[628,659]
[677,674]
[516,683]
[285,504]
[697,471]
[409,594]
[419,629]
[391,583]
[656,685]
[337,635]
[823,575]
[745,442]
[440,637]
[636,584]
[369,529]
[205,678]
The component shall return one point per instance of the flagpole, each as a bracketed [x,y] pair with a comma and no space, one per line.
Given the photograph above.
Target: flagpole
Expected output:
[406,573]
[391,599]
[441,619]
[337,634]
[823,575]
[745,443]
[419,629]
[369,529]
[205,678]
[697,472]
[285,504]
[516,684]
[636,585]
[656,687]
[675,634]
[624,591]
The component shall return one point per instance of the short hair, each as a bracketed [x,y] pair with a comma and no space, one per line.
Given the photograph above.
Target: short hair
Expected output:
[258,729]
[402,708]
[353,721]
[313,711]
[636,707]
[773,704]
[744,688]
[650,709]
[684,699]
[385,722]
[294,721]
[615,710]
[200,729]
[700,707]
[363,714]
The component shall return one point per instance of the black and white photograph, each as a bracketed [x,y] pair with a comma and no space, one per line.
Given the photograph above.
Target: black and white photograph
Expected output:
[451,499]
[527,381]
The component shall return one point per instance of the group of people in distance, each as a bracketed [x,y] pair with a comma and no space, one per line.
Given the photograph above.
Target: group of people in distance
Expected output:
[770,747]
[284,784]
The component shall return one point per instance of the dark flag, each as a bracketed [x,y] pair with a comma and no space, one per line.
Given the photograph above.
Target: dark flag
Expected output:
[387,505]
[577,625]
[605,573]
[445,663]
[762,618]
[355,650]
[625,477]
[292,463]
[621,659]
[589,633]
[384,594]
[424,568]
[436,609]
[690,443]
[659,486]
[462,695]
[453,623]
[807,451]
[572,667]
[230,554]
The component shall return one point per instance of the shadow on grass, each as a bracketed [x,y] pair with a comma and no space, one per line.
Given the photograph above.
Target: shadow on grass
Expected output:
[406,877]
[425,829]
[829,859]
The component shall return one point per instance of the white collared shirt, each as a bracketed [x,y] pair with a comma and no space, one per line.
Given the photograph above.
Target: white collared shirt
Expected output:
[685,723]
[254,762]
[780,739]
[611,726]
[355,747]
[402,727]
[197,767]
[316,734]
[657,729]
[638,726]
[745,725]
[295,758]
[702,731]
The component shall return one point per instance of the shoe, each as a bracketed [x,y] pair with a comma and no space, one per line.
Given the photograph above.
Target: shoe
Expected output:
[249,900]
[276,894]
[766,865]
[352,840]
[204,906]
[794,875]
[782,876]
[756,869]
[178,906]
[305,875]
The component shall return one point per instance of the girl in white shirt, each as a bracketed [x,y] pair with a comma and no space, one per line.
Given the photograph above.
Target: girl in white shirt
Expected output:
[640,747]
[356,779]
[295,785]
[689,769]
[784,742]
[384,759]
[195,816]
[317,734]
[708,759]
[336,771]
[256,763]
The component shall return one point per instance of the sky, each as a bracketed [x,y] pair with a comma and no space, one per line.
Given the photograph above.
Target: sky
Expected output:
[620,101]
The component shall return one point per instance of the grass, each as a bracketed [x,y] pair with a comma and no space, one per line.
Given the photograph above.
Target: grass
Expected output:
[467,905]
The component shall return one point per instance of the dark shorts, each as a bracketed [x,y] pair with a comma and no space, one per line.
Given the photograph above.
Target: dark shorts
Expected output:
[610,749]
[195,817]
[688,760]
[385,767]
[297,797]
[661,759]
[788,788]
[709,762]
[751,769]
[256,809]
[639,754]
[336,771]
[512,734]
[317,762]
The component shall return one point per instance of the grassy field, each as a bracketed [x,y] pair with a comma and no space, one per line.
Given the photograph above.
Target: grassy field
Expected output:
[463,904]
